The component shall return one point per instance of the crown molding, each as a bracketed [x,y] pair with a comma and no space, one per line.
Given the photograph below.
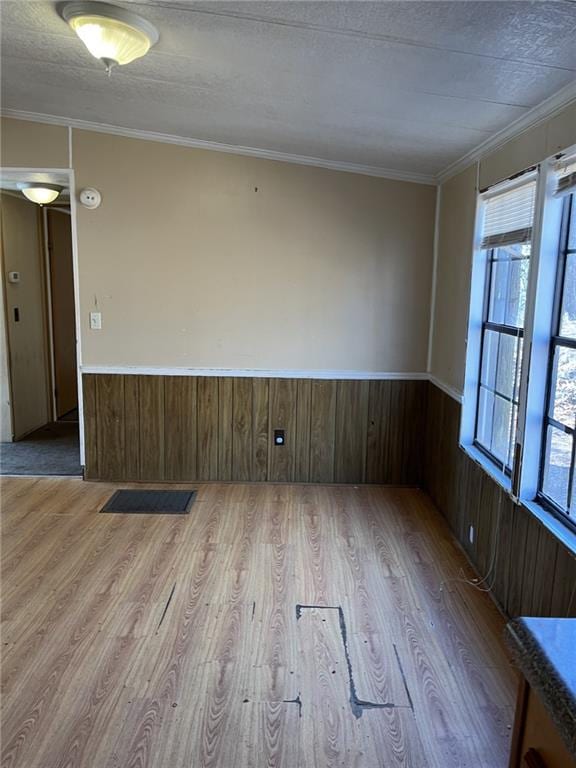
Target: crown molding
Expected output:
[538,114]
[214,146]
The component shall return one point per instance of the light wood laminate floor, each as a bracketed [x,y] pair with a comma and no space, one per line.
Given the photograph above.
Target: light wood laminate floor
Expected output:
[276,625]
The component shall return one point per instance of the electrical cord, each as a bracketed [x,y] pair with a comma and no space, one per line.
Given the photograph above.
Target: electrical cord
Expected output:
[478,582]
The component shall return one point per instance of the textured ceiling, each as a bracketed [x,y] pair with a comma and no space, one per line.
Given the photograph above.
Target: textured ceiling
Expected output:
[409,86]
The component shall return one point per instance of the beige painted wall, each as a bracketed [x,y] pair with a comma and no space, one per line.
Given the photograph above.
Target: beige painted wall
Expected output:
[202,259]
[24,144]
[27,338]
[456,231]
[530,147]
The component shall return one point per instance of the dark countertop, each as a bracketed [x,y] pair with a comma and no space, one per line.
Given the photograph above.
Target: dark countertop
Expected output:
[545,650]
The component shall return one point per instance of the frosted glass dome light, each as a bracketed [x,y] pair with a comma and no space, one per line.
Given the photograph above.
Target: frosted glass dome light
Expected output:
[111,34]
[40,193]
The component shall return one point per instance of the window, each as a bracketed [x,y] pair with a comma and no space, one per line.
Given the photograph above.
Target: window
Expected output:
[506,242]
[519,405]
[557,475]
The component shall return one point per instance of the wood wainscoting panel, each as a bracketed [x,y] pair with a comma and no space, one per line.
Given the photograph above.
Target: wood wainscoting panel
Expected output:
[351,431]
[527,570]
[322,431]
[89,399]
[177,428]
[260,431]
[303,426]
[396,424]
[283,404]
[225,434]
[152,437]
[208,426]
[132,413]
[181,429]
[242,429]
[110,427]
[377,434]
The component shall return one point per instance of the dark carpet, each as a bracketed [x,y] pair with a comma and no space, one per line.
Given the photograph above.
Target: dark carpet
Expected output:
[50,450]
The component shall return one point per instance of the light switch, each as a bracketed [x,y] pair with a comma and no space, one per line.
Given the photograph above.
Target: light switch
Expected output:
[95,321]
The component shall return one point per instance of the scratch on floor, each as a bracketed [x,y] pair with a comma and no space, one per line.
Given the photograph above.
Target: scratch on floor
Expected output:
[166,606]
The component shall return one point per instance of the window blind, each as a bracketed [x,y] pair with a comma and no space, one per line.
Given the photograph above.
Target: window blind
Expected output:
[565,176]
[508,216]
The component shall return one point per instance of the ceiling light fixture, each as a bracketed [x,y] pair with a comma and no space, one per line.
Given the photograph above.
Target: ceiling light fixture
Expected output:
[40,193]
[111,34]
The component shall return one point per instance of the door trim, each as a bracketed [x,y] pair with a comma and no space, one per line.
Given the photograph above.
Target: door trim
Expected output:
[65,176]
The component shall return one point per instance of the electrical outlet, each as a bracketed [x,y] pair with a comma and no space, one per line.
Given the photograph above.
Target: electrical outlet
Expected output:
[95,321]
[471,533]
[279,437]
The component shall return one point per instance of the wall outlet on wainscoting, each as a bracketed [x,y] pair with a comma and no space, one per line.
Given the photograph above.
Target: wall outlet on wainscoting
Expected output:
[471,534]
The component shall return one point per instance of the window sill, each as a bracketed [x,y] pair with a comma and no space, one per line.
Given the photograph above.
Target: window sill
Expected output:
[479,458]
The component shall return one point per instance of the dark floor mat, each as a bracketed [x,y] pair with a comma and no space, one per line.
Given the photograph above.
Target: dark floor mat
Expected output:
[150,502]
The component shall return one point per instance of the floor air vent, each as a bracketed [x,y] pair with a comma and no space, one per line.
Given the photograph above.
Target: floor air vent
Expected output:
[150,502]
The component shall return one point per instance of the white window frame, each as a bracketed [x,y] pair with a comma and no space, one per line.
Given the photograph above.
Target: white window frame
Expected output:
[476,319]
[540,304]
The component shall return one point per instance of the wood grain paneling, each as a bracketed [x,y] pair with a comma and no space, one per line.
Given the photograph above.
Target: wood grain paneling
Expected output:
[153,428]
[242,430]
[394,421]
[503,522]
[260,431]
[529,572]
[351,431]
[517,562]
[415,408]
[110,427]
[322,431]
[89,386]
[563,596]
[395,431]
[207,428]
[180,425]
[283,404]
[303,416]
[378,407]
[225,435]
[132,426]
[547,555]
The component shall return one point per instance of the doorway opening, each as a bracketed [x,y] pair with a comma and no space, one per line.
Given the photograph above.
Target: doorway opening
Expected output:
[38,366]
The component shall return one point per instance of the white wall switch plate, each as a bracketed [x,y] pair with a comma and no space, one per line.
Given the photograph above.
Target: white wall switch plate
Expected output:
[95,321]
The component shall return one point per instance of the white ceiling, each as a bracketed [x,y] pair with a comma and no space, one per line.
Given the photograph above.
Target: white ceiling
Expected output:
[407,86]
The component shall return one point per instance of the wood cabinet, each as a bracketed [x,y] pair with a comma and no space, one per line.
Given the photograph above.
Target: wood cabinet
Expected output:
[536,742]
